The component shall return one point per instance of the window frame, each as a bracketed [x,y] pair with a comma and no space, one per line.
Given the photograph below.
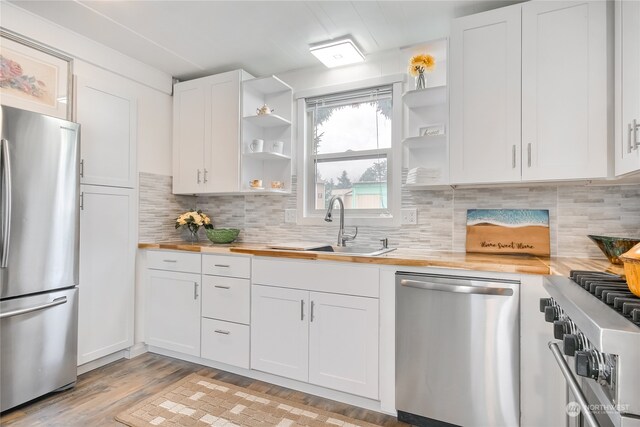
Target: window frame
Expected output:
[306,212]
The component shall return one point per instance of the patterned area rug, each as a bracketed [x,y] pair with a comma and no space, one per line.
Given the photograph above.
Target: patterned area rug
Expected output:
[201,401]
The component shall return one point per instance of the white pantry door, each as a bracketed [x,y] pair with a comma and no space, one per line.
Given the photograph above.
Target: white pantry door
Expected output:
[107,254]
[108,132]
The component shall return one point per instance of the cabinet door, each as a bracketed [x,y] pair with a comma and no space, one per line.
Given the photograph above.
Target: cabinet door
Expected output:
[627,156]
[222,148]
[107,254]
[343,343]
[189,123]
[564,90]
[108,120]
[485,97]
[279,331]
[173,311]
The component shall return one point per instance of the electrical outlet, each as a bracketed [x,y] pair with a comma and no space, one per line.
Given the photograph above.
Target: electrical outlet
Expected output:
[290,216]
[409,216]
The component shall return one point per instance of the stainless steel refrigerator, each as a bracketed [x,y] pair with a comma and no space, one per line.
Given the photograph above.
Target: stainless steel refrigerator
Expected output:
[39,227]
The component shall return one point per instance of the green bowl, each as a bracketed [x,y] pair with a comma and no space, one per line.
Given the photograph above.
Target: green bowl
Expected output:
[222,235]
[613,247]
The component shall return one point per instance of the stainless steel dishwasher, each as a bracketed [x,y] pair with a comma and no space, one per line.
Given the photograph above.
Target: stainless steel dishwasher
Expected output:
[457,350]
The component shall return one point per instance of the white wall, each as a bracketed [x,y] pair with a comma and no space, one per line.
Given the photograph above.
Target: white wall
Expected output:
[386,63]
[151,87]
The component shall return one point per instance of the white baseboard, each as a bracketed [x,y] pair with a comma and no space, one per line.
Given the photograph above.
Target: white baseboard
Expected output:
[95,364]
[135,350]
[350,399]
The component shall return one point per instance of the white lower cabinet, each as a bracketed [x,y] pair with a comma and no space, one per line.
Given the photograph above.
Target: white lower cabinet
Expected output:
[106,296]
[325,339]
[173,311]
[343,343]
[280,332]
[225,342]
[226,302]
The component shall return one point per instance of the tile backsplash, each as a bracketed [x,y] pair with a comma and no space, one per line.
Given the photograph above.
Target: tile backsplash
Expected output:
[575,211]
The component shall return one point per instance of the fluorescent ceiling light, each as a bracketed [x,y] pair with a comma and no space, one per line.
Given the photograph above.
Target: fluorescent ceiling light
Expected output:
[337,52]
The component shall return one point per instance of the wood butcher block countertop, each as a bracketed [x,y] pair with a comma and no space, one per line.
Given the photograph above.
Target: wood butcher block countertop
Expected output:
[523,264]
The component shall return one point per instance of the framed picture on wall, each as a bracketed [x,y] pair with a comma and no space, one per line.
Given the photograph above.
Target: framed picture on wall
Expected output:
[34,77]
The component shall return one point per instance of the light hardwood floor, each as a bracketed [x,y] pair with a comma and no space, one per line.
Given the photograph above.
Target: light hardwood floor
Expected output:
[101,394]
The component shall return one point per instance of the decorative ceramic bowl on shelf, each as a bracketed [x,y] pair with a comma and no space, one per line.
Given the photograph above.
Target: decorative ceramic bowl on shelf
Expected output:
[613,247]
[631,261]
[222,235]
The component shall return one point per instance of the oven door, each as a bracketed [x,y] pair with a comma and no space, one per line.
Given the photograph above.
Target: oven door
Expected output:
[587,404]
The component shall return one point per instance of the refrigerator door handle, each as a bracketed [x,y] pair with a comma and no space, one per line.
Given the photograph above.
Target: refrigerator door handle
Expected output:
[53,303]
[6,219]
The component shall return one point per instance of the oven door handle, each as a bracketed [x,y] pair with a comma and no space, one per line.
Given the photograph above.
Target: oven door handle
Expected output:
[573,385]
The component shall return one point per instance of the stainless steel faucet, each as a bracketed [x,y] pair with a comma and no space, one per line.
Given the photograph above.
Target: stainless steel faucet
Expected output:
[343,238]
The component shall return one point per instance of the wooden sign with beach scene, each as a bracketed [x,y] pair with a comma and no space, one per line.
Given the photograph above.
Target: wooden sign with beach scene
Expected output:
[508,231]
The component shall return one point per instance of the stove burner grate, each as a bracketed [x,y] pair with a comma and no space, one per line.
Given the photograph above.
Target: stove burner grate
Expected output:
[611,290]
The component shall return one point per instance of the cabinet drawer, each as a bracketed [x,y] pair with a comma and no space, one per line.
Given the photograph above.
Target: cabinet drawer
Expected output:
[174,261]
[225,342]
[226,298]
[227,265]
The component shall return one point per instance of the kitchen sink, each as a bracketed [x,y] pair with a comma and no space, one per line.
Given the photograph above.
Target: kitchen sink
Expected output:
[352,250]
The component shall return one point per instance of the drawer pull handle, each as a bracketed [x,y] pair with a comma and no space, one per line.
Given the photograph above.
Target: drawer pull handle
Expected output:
[195,290]
[222,287]
[220,331]
[169,260]
[221,265]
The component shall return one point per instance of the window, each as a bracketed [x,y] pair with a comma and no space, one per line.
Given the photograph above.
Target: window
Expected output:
[348,151]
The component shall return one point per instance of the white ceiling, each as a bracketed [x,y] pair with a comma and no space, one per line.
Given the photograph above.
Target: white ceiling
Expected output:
[188,39]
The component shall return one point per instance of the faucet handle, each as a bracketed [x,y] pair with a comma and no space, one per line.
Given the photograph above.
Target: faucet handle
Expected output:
[385,243]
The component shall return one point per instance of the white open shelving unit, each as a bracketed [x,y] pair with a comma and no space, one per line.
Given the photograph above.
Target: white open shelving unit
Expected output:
[267,165]
[424,108]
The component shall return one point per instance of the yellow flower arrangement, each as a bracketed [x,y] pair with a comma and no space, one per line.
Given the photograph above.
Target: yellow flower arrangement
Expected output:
[193,220]
[421,63]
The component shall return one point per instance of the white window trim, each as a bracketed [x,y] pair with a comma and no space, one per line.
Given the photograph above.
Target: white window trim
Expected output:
[394,162]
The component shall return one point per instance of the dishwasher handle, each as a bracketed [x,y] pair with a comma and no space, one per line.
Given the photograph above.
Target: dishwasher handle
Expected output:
[573,385]
[456,288]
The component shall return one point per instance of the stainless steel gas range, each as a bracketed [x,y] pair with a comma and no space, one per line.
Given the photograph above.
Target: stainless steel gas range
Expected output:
[597,321]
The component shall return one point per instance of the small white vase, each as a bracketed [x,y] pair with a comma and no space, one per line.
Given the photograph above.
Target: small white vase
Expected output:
[421,80]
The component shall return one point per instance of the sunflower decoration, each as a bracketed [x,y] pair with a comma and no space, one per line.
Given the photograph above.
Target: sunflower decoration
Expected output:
[420,63]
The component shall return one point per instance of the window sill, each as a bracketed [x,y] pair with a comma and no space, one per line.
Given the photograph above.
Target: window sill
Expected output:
[351,221]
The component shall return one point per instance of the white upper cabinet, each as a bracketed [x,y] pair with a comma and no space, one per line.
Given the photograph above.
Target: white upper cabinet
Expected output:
[108,118]
[485,53]
[188,136]
[627,122]
[529,93]
[206,134]
[564,90]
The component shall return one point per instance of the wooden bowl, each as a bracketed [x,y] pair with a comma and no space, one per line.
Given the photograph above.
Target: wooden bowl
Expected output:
[631,260]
